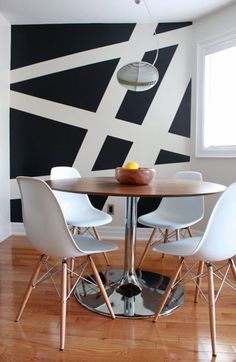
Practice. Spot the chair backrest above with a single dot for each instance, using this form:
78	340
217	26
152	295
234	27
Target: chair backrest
219	239
186	208
73	205
64	172
43	219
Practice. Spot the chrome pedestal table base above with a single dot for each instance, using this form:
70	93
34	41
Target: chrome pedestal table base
131	293
127	305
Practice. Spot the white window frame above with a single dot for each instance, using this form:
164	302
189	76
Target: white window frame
205	48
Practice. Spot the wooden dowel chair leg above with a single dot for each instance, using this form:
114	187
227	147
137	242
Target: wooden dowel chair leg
30	286
98	238
63	304
211	304
168	289
189	232
75	230
70	273
101	286
149	243
198	281
177	234
72	267
177	237
165	238
233	268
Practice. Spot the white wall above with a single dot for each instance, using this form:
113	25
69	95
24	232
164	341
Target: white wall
4	128
148	138
217	170
221	170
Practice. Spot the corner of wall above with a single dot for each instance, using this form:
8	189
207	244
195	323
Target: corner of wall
5	37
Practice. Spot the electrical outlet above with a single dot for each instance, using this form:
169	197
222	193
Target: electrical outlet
110	209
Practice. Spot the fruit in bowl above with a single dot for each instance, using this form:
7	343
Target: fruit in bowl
132	174
131	165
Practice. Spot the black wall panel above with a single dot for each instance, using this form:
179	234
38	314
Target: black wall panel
112	154
181	124
164	27
36	43
37	144
81	87
165	157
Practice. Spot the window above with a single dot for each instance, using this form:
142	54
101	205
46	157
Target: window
216	98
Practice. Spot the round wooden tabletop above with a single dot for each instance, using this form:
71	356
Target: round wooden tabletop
158	188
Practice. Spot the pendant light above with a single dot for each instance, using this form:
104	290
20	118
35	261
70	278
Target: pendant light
138	76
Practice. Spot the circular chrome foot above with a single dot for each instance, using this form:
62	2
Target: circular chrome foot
141	305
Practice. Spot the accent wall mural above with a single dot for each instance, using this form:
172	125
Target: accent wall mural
67	107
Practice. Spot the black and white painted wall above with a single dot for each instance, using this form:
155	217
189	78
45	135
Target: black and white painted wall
67	107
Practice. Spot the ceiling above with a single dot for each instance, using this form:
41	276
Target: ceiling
106	11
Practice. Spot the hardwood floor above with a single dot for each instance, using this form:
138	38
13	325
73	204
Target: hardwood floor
181	336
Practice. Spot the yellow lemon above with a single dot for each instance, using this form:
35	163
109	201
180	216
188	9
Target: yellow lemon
131	165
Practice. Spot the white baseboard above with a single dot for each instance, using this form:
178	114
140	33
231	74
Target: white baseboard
5	231
118	233
17	228
106	232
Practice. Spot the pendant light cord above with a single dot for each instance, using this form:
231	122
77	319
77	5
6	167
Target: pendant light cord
151	19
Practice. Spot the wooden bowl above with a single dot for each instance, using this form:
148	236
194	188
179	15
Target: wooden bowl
140	176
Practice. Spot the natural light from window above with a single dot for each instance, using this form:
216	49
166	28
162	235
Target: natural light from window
220	99
216	97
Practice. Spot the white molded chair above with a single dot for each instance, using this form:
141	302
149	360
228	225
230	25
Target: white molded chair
217	244
77	208
48	231
174	213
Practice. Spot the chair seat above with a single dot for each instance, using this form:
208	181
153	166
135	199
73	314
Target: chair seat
77	208
174	214
216	244
92	246
92	218
167	221
47	229
182	247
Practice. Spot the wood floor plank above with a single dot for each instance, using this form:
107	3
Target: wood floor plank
182	336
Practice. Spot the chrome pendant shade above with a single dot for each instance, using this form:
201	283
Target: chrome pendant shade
138	76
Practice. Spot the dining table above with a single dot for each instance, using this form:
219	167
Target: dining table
133	293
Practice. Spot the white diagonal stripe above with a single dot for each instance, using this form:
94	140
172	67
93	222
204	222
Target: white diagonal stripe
151	135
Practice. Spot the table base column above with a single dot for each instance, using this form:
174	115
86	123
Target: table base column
142	305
